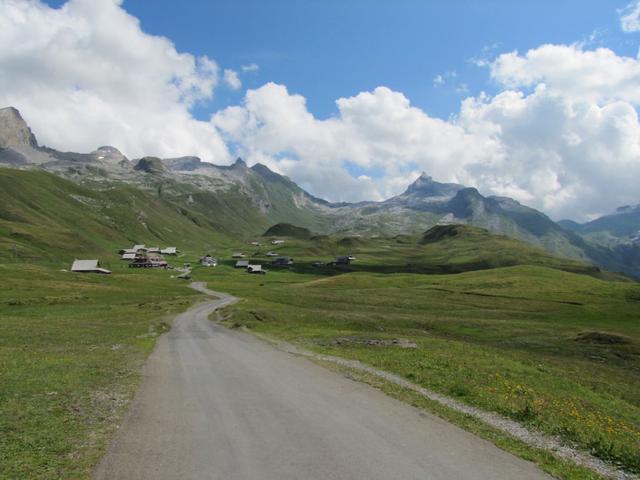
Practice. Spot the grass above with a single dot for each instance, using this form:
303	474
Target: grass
518	340
70	353
547	341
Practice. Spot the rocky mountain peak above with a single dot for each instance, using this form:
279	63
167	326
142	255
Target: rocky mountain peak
14	131
425	186
239	163
150	165
108	154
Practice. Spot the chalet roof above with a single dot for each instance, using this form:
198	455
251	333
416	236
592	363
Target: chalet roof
88	266
84	265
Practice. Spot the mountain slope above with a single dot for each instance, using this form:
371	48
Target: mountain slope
44	217
244	201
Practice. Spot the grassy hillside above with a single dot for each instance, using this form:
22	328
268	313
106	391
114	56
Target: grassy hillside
556	350
44	217
287	230
70	353
442	249
541	339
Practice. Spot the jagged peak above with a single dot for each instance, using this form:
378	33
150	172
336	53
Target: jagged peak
239	163
14	131
426	186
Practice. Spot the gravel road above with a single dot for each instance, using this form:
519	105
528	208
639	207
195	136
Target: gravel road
221	404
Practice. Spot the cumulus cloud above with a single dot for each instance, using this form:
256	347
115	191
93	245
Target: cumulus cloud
380	132
232	79
630	17
86	74
561	135
558	137
593	75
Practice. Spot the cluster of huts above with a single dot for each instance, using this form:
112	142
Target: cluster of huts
141	256
257	269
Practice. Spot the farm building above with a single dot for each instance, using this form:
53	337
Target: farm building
128	256
138	248
208	261
242	264
342	260
277	242
283	261
153	249
257	269
88	266
151	260
169	251
124	251
255	244
271	254
238	255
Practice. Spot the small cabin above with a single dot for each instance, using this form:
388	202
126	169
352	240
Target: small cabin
342	260
242	264
169	251
128	256
238	255
283	261
256	269
150	260
277	242
208	261
88	266
139	248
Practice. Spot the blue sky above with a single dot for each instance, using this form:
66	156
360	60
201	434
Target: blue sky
352	99
327	49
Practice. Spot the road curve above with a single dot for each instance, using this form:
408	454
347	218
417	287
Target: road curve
220	404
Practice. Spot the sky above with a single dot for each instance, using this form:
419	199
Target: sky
535	100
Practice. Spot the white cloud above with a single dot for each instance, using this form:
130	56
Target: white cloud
563	134
569	143
443	78
250	68
86	74
379	131
232	79
594	75
630	17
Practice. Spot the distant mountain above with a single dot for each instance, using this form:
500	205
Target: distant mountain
622	226
245	201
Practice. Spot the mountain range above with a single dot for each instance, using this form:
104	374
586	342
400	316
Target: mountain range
239	200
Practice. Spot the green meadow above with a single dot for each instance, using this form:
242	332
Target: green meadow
556	350
71	348
490	321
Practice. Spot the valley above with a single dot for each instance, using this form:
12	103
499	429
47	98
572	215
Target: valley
477	298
